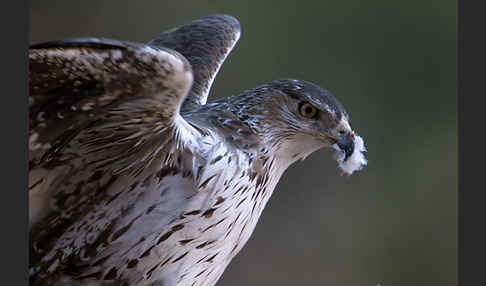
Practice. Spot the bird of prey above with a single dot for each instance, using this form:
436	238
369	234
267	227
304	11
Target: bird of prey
135	180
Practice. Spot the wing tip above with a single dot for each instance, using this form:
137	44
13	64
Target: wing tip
228	20
208	26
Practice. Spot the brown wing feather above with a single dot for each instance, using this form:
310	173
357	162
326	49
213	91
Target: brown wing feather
72	82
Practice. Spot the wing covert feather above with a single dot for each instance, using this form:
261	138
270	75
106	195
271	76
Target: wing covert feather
73	82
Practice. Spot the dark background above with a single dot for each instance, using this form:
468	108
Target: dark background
393	65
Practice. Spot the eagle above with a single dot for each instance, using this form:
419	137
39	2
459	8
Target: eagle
134	179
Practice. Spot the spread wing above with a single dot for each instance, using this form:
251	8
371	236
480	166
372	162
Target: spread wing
102	112
105	131
72	83
205	42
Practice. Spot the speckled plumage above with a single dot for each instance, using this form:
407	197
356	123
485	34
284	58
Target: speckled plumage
134	179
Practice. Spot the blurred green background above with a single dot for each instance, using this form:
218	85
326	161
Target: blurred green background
393	65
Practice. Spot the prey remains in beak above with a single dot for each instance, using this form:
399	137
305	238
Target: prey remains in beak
350	152
346	144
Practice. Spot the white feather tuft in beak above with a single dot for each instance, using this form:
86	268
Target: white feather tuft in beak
356	161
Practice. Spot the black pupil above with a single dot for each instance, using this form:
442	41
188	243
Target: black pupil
308	110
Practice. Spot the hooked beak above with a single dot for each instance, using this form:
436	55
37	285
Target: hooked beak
345	142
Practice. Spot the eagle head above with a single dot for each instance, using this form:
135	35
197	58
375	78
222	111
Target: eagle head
297	117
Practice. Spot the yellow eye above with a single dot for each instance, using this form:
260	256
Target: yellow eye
307	110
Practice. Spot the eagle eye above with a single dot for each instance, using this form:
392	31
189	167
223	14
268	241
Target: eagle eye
307	110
